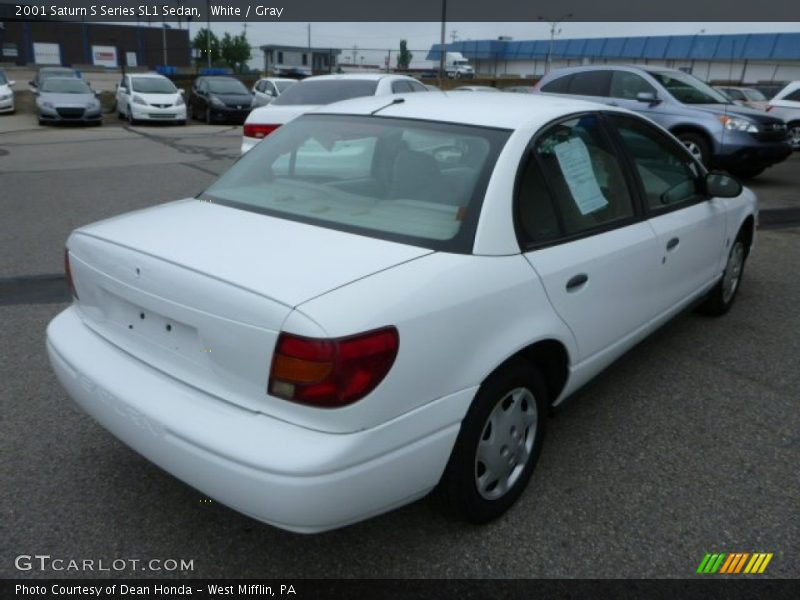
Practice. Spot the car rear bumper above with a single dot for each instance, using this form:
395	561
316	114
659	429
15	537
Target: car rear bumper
289	476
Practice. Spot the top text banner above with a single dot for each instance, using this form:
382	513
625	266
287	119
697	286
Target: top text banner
406	10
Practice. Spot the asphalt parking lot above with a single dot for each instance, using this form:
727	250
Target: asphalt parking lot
689	444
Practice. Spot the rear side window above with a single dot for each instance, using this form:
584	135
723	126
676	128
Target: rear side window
326	92
627	86
584	177
735	94
536	215
401	87
557	86
590	83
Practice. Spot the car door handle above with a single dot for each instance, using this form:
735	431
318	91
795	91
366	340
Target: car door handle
672	244
612	103
577	282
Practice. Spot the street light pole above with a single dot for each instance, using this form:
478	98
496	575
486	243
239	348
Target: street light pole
553	26
208	33
441	42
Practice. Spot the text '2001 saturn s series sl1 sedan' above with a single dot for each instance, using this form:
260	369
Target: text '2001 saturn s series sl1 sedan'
386	297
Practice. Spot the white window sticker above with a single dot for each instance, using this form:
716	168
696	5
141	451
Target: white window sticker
576	165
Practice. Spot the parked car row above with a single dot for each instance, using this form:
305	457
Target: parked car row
717	131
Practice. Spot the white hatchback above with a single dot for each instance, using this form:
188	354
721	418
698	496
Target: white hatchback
389	296
786	105
150	97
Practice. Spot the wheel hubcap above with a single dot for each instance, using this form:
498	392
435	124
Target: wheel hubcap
733	272
694	150
506	443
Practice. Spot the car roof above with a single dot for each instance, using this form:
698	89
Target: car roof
356	76
508	111
143	75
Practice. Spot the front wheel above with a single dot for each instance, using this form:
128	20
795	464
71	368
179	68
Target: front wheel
697	146
721	297
498	445
209	120
794	134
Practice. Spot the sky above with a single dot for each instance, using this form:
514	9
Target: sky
421	36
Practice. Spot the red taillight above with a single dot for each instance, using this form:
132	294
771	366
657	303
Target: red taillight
331	372
257	130
68	275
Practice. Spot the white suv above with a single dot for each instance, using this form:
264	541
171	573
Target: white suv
786	105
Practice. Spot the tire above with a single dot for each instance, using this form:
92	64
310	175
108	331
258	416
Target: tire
747	173
182	123
698	146
503	426
794	134
208	119
721	297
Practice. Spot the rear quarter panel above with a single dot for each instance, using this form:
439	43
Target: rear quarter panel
458	317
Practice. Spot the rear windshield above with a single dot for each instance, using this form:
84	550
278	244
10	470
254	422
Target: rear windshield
688	88
409	181
65	86
227	86
153	85
326	92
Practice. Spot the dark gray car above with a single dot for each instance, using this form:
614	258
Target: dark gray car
62	99
714	129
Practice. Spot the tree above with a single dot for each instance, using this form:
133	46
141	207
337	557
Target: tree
404	57
236	51
201	44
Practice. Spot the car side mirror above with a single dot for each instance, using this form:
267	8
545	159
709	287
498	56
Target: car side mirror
12	83
648	98
181	91
722	185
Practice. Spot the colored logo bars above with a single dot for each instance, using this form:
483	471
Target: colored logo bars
734	563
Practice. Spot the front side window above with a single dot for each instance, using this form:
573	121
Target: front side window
792	96
734	94
410	181
754	95
583	175
689	89
668	174
628	86
400	87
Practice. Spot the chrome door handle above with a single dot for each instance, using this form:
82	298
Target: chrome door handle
577	282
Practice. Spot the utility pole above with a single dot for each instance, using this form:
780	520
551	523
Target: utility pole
208	33
554	31
441	42
164	41
355	54
454	35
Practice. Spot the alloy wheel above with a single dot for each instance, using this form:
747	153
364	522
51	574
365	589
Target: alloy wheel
733	272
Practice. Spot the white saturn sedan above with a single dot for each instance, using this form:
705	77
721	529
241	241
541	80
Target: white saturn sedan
150	97
313	92
388	295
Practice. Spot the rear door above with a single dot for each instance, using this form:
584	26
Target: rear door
584	234
689	225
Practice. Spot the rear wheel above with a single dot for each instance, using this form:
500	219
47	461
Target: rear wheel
209	120
721	297
498	445
697	146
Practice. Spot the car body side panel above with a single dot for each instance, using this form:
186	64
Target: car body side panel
459	317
